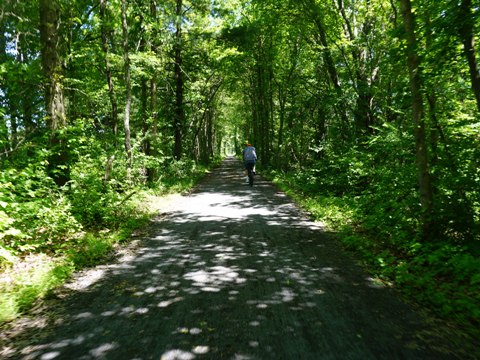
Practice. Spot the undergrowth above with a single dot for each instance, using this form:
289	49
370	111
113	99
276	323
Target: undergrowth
443	276
47	233
26	279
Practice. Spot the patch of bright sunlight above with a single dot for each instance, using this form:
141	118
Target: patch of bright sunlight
177	355
185	355
50	355
103	349
86	279
211	280
220	206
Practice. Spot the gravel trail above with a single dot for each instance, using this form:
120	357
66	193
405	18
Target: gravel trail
229	272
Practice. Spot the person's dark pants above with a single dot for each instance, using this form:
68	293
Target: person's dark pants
249	165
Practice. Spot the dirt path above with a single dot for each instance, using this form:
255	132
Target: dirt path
231	272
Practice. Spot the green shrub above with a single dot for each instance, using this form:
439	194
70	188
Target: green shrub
35	213
369	196
90	250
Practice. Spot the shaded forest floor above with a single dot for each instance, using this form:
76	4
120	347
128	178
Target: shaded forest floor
230	272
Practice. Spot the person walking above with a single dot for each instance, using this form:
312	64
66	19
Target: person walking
249	154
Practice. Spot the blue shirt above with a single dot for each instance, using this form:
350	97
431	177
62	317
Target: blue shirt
249	154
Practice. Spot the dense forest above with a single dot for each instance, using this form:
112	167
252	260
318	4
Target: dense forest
367	111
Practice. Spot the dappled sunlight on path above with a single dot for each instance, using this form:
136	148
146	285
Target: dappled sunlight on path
231	272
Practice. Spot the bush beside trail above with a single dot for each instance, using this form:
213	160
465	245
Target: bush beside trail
47	233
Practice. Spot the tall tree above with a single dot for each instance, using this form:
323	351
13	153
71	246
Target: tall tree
179	118
466	31
128	84
357	31
54	97
413	62
316	15
152	132
51	63
105	36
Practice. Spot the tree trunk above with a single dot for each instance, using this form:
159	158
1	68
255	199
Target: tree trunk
413	62
108	72
466	34
144	111
210	135
431	97
145	116
179	112
152	171
282	99
312	7
271	107
128	85
363	113
54	100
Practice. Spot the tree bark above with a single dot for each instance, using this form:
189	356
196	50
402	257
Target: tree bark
466	31
282	99
413	62
150	142
179	111
54	100
144	94
128	85
363	113
108	72
312	7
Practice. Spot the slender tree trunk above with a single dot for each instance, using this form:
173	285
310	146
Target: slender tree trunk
4	133
312	7
152	171
145	117
281	100
252	131
13	123
128	85
431	97
413	62
144	112
262	88
466	34
179	111
432	107
153	106
54	100
363	114
271	107
210	135
261	111
27	106
108	72
206	116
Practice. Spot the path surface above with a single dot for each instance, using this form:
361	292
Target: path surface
231	272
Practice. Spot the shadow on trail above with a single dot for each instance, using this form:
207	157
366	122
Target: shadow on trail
233	273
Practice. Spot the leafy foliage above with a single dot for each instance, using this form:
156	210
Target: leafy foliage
37	217
369	198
